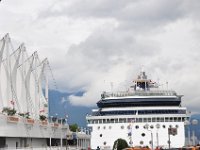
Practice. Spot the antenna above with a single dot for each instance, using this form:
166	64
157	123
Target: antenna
158	81
111	86
167	84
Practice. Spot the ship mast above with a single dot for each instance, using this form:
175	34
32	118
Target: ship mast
141	83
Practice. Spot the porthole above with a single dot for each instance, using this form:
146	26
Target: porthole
122	127
145	127
100	135
177	126
104	143
151	126
129	127
170	126
143	134
150	142
137	127
163	126
98	127
104	127
110	127
141	142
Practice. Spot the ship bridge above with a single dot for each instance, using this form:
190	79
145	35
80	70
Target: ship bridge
139	98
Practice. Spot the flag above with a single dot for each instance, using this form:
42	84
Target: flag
41	110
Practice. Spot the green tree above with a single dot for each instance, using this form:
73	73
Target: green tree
120	144
73	127
42	117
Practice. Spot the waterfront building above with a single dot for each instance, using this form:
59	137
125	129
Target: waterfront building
24	84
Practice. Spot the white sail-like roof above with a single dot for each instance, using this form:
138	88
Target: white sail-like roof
22	79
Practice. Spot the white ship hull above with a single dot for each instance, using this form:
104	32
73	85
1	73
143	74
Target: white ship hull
104	134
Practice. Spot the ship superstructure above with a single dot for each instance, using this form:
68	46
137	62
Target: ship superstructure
143	116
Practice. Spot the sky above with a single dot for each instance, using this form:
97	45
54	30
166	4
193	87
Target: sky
101	45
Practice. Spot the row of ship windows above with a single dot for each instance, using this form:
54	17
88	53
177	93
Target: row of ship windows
137	127
129	120
139	112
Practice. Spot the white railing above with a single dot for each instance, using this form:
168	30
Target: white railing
139	93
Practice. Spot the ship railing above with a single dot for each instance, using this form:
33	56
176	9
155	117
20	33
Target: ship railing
139	93
142	119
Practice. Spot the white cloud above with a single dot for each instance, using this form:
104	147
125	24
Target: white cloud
91	44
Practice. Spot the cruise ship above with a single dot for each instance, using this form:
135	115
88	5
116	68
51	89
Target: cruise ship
144	115
24	119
